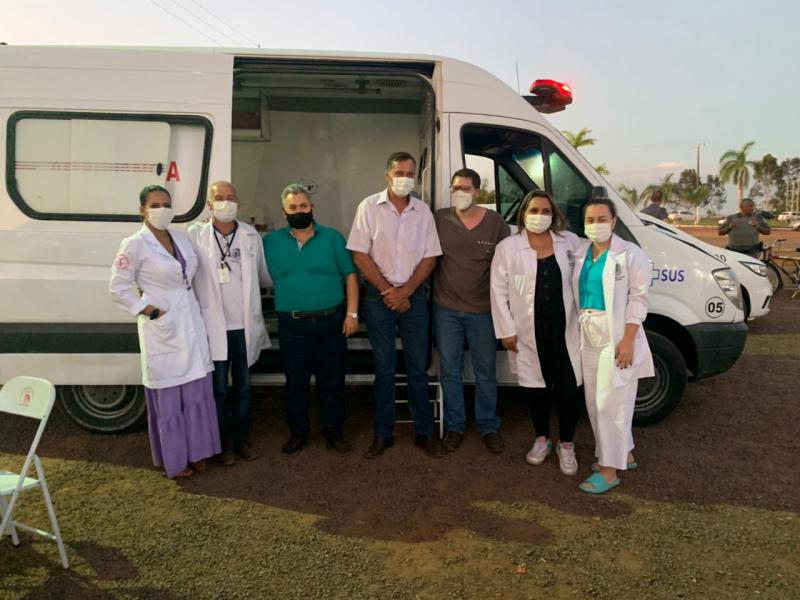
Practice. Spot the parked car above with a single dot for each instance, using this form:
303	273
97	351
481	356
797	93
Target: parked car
795	225
765	214
788	216
681	215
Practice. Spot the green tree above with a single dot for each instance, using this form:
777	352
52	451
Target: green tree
580	139
666	186
630	195
766	175
718	197
602	169
695	197
485	196
735	168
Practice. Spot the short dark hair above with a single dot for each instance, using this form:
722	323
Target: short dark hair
747	200
559	223
149	189
397	157
469	173
656	196
601	202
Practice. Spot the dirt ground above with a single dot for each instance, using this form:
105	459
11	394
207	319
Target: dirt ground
713	511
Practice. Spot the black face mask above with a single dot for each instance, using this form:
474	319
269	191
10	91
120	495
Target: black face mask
300	220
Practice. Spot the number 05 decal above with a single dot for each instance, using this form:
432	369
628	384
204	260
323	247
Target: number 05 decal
715	307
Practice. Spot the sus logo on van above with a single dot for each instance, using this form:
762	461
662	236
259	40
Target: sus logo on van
172	172
25	397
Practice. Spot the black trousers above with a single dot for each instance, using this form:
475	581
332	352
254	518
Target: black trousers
314	345
559	378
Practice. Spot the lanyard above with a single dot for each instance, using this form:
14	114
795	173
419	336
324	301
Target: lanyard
180	262
224	254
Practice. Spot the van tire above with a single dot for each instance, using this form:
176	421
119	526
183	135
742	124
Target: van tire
105	408
658	396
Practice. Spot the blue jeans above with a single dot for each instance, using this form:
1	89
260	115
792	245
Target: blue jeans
233	405
382	325
314	345
452	329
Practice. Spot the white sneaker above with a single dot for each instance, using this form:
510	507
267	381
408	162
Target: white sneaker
566	458
542	448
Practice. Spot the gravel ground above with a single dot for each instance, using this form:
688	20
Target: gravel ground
713	512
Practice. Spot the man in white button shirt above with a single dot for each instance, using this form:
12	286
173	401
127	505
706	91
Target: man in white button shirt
395	245
228	285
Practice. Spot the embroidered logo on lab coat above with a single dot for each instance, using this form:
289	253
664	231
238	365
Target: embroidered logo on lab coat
570	258
617	272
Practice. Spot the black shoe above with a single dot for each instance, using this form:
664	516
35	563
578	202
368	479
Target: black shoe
339	444
452	440
430	444
294	445
494	442
227	458
379	446
245	451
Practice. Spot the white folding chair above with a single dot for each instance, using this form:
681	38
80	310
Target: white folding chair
33	398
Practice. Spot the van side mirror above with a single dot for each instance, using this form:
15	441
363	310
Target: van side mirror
598	192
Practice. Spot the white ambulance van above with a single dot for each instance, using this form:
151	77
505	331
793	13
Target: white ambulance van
86	128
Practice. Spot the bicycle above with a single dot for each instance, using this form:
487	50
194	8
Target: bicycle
779	265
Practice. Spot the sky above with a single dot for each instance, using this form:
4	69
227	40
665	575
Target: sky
650	79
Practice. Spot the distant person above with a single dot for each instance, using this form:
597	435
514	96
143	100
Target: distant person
743	229
654	209
151	279
228	285
316	297
395	245
469	235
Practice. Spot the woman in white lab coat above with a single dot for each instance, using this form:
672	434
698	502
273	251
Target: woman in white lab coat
535	317
151	279
611	282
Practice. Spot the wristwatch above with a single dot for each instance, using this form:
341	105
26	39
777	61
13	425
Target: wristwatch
154	314
354	315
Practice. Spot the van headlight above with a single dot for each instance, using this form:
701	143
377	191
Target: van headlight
728	283
758	268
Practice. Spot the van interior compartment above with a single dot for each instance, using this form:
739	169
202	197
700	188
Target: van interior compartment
329	131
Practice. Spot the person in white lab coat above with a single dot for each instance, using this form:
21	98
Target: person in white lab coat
611	282
228	285
151	279
536	320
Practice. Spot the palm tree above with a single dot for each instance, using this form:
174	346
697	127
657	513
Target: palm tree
666	186
630	195
602	169
579	139
735	168
695	197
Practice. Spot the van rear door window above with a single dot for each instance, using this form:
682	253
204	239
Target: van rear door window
79	166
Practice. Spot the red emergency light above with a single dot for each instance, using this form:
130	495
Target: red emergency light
549	95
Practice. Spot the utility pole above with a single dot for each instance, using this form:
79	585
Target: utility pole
516	68
697	147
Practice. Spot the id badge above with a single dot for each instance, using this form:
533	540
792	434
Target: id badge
224	275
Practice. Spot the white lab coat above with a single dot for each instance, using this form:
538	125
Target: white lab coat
174	347
626	281
513	285
207	287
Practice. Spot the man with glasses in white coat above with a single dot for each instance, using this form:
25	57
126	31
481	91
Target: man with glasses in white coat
228	284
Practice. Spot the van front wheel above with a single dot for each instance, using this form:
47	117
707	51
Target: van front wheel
105	408
658	396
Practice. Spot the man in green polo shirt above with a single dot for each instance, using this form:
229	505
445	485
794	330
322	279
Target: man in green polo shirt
312	270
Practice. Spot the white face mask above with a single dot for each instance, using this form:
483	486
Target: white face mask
160	218
598	232
402	186
538	223
224	210
460	199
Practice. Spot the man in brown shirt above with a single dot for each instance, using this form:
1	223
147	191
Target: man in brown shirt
468	234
